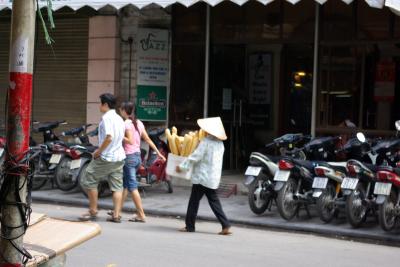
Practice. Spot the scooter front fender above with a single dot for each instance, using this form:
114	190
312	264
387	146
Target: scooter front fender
278	186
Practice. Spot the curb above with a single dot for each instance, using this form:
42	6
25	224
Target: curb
392	240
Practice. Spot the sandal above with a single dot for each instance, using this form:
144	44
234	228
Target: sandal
89	216
114	219
110	212
185	230
225	231
136	219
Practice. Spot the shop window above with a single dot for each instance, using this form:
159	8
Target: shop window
299	20
373	23
261	22
253	22
396	25
187	92
189	23
339	87
337	21
227	22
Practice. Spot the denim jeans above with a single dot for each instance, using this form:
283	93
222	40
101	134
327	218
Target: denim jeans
132	163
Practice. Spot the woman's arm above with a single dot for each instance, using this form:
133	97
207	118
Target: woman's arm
129	137
147	139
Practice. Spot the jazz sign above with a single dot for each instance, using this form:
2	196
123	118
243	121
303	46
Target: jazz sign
152	74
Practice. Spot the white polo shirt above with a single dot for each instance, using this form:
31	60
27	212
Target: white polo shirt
112	124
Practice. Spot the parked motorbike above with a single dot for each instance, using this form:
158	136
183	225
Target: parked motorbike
43	165
358	187
262	168
294	179
152	170
327	183
387	191
73	157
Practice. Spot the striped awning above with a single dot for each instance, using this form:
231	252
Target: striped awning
97	4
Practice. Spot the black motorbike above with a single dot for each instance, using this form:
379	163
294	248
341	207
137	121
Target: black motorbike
263	166
358	186
294	179
43	164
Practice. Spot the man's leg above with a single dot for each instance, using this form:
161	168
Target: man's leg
93	197
193	207
216	207
117	200
116	185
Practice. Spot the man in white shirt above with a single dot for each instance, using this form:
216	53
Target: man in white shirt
108	160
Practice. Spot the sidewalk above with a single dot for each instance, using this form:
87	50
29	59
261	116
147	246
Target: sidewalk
158	202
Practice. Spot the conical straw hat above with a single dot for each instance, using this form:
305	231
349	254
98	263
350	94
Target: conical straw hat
213	126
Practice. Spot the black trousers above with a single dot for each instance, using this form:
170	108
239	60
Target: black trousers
197	193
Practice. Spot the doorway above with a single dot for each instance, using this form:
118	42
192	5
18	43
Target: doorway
240	92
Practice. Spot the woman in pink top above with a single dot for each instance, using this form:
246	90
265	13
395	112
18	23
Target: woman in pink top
134	132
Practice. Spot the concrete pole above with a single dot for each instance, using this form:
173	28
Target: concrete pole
207	63
18	123
315	73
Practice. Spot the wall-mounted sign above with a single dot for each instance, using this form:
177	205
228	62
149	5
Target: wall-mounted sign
385	81
151	103
260	78
152	74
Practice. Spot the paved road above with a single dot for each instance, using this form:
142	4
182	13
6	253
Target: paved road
158	202
157	243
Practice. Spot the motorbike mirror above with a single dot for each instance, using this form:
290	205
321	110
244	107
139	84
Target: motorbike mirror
361	137
397	124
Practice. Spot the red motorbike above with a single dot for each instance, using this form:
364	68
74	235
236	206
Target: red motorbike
387	191
153	169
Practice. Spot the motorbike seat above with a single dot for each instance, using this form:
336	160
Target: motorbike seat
338	166
46	126
310	165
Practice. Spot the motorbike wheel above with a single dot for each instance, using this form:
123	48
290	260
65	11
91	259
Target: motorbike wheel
36	182
63	177
387	218
287	205
356	212
325	208
258	207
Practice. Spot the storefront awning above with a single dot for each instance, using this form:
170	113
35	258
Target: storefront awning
97	4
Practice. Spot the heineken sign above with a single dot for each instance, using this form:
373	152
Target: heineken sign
152	74
151	103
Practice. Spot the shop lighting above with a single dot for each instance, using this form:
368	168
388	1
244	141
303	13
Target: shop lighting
301	73
298	85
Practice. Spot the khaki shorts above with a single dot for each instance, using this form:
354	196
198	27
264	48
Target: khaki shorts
101	170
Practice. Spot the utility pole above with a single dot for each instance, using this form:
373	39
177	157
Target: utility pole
18	128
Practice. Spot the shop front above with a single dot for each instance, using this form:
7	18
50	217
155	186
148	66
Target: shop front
266	67
261	68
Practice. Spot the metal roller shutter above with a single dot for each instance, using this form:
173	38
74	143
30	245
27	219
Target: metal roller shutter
60	78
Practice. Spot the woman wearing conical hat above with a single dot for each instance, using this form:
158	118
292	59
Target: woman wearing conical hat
206	161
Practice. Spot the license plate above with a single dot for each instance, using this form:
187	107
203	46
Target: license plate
382	189
55	159
252	171
281	176
320	182
349	183
75	164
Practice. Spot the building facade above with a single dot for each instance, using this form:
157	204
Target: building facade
253	63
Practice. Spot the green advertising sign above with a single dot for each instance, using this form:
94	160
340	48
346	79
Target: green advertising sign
151	103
